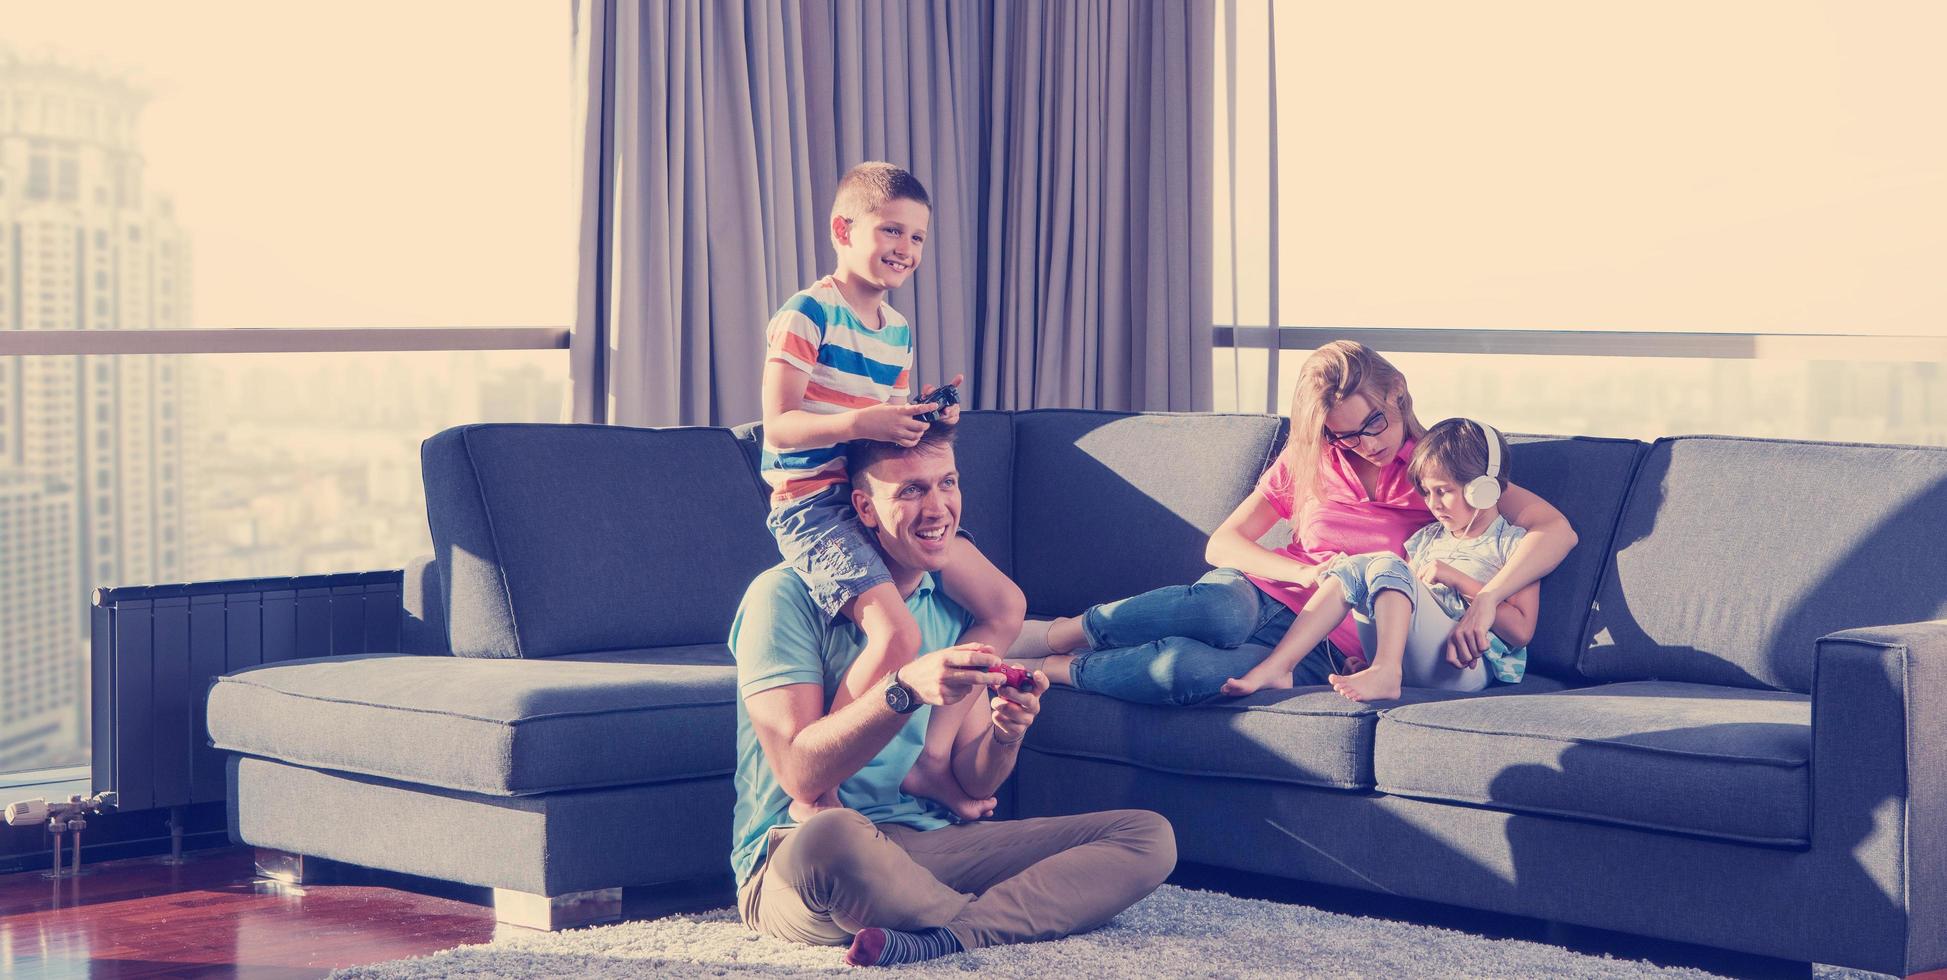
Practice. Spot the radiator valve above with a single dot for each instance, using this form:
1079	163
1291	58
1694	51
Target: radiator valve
62	818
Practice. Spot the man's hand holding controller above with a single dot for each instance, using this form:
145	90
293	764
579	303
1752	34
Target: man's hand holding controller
1016	701
945	676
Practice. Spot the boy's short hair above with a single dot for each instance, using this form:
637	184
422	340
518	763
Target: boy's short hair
1458	449
870	186
863	454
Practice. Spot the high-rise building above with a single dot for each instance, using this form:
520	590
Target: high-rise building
41	666
85	246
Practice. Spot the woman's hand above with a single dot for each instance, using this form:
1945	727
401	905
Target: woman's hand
1306	576
1469	639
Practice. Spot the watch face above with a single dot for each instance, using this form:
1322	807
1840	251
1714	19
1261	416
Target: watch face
898	698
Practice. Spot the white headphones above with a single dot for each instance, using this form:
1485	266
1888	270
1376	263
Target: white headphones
1484	490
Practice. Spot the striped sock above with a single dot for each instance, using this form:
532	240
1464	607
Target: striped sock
874	946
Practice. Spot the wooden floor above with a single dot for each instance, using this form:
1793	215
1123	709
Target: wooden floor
211	917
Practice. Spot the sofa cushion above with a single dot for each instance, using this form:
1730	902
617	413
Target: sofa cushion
1735	555
1110	505
557	539
1585	479
499	727
1720	762
1309	736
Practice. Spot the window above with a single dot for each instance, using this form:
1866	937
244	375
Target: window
1489	174
212	466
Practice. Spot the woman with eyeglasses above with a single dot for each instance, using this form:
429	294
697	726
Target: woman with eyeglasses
1342	483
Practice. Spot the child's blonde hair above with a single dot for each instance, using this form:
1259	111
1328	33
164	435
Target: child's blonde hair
1332	374
872	185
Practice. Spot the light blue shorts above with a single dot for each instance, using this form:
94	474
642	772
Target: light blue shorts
822	540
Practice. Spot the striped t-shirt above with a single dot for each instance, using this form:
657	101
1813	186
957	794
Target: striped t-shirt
851	366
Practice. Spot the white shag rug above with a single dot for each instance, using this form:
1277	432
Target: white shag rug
1174	932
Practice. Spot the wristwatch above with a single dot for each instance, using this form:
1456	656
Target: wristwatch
899	697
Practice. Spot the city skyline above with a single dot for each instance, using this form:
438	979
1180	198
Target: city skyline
137	469
92	443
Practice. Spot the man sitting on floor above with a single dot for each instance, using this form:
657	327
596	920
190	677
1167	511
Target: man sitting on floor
887	872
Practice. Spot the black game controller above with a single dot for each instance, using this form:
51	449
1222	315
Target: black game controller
945	396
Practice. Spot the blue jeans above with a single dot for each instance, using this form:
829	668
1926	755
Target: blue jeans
1178	644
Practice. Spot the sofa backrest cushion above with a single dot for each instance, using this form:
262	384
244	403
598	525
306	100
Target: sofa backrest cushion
1108	504
1735	555
1586	479
560	539
984	450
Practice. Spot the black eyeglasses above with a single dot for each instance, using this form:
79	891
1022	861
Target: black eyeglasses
1374	425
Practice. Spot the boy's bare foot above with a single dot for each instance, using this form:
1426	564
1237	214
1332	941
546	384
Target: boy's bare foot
1257	679
1370	684
935	781
802	811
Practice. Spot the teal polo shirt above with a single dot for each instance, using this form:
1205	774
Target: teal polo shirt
779	637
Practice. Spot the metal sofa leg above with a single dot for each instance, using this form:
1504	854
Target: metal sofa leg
291	869
551	912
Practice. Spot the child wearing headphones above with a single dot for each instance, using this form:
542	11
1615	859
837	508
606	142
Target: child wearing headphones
1406	609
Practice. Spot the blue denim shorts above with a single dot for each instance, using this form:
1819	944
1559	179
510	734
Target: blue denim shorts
822	540
1365	576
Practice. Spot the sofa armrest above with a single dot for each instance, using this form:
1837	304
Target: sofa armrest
422	627
1879	769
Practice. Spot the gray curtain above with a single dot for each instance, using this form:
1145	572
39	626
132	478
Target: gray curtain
1066	147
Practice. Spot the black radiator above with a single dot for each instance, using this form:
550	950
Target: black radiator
156	649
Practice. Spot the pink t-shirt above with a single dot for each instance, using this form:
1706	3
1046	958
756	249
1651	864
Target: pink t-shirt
1345	522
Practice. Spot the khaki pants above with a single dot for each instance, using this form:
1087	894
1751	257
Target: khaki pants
988	883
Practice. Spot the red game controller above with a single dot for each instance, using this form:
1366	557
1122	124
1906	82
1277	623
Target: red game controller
1016	676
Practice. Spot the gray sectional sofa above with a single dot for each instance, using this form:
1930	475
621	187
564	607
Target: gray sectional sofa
1734	731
